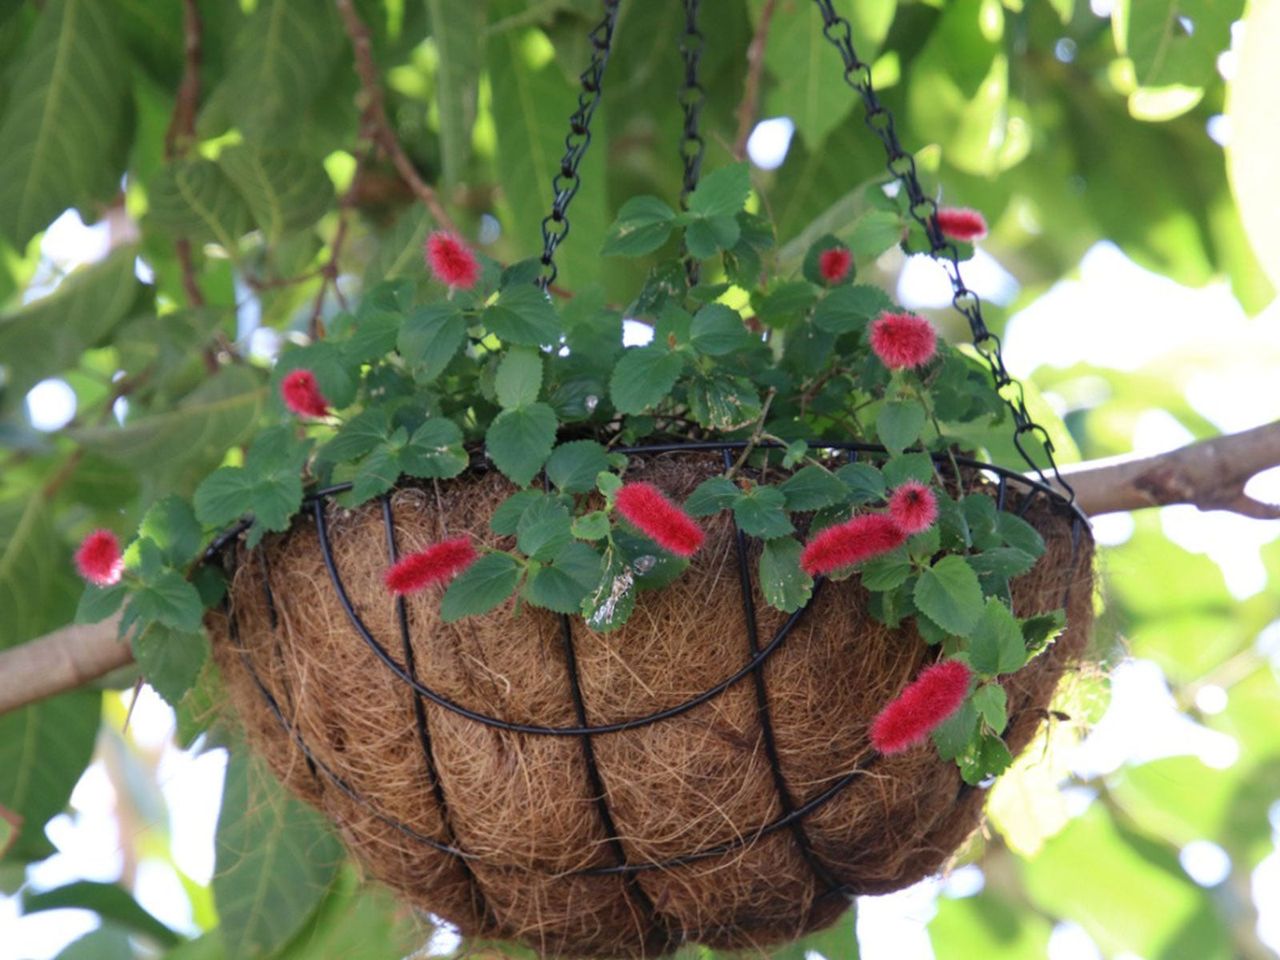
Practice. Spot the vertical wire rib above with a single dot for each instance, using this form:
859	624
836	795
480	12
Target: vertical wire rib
785	800
594	780
420	721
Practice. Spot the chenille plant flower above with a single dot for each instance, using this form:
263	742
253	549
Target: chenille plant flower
835	263
98	558
903	340
301	394
845	544
961	223
913	507
922	707
438	563
649	511
452	261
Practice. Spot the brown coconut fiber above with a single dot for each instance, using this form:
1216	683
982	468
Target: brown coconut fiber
523	809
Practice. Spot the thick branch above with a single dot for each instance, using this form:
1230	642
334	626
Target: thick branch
1210	474
60	661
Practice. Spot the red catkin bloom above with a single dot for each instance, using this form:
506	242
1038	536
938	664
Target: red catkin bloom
99	560
926	703
913	507
658	518
861	538
961	223
452	261
903	340
439	562
302	394
834	264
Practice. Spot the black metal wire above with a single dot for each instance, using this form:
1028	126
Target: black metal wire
924	210
566	182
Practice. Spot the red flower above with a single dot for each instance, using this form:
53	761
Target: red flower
439	562
452	261
834	264
960	223
98	558
861	538
913	507
660	519
302	394
903	340
926	703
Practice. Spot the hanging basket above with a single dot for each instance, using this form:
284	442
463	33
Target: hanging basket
703	774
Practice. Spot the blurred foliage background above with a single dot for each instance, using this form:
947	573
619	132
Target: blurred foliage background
228	213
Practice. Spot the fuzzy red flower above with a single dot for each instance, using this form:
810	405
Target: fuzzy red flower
660	519
903	340
302	394
913	507
98	558
861	538
961	223
834	264
439	562
452	261
926	703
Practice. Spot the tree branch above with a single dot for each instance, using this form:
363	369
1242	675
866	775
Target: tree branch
750	105
1210	474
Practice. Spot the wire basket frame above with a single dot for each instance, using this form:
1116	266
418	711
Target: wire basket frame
757	654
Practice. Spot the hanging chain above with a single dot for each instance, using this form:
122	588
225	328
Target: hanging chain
692	99
924	210
565	184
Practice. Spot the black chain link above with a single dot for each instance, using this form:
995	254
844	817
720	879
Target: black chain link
924	210
692	99
566	182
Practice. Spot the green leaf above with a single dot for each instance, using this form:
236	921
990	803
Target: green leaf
864	480
707	237
1003	562
523	316
721	193
430	337
481	587
718	331
909	466
110	901
996	644
1166	51
65	125
457	29
591	526
269	486
562	587
643	225
1039	631
98	603
169	599
573	466
519	441
285	190
724	403
887	572
990	702
812	488
785	303
171	660
988	757
643	377
379	471
172	526
608	606
544	528
899	423
762	513
798	57
875	232
357	436
434	451
849	309
275	859
1019	534
506	518
784	584
196	199
519	378
948	594
711	496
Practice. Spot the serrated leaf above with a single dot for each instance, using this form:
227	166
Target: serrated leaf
196	199
875	232
573	466
357	436
990	702
812	488
167	599
543	529
718	330
275	857
429	339
887	572
785	303
948	593
849	309
170	659
65	126
996	644
98	603
481	587
564	584
523	316
724	403
519	378
721	193
899	423
591	526
434	451
506	518
762	513
519	441
643	377
711	496
865	482
909	466
284	190
705	237
172	526
784	584
1019	534
797	57
642	226
953	736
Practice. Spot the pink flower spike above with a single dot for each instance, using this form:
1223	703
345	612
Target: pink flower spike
302	394
98	558
452	261
961	223
439	562
834	264
922	707
903	340
861	538
913	507
645	506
